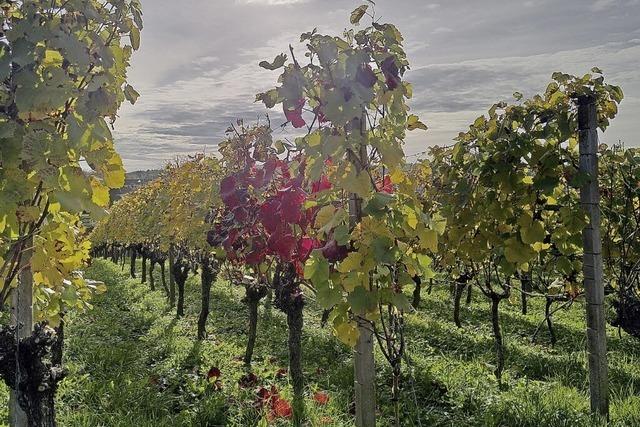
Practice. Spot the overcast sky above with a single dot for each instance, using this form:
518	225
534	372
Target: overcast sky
197	69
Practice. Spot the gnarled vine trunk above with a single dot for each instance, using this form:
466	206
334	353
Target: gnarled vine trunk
627	318
457	297
416	292
289	299
180	272
152	280
458	290
132	268
547	316
525	286
207	276
39	374
253	295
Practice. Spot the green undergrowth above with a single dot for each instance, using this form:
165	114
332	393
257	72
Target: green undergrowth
132	363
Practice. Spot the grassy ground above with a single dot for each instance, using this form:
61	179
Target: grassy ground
131	363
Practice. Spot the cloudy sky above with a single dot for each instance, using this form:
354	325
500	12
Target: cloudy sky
197	70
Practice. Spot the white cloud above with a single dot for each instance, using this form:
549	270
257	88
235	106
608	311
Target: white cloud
197	70
272	2
600	5
442	30
448	97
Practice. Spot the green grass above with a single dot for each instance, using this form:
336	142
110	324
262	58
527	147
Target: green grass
132	363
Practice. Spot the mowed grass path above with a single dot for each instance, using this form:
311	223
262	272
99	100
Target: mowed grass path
132	363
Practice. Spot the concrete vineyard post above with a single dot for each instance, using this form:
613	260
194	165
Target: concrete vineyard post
592	258
22	319
364	362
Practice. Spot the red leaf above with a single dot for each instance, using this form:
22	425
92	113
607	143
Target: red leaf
391	72
385	186
282	244
240	214
228	191
231	238
320	185
214	372
294	115
282	408
227	185
255	257
334	252
269	169
292	199
299	269
269	215
365	76
248	380
305	246
257	180
321	397
264	394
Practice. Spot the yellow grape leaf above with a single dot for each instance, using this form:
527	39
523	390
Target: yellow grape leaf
428	239
314	139
539	246
413	122
392	154
347	333
527	180
350	281
324	216
533	233
114	177
411	217
397	176
52	58
517	253
350	263
99	193
439	223
358	183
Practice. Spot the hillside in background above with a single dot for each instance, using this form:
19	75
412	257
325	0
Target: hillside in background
134	180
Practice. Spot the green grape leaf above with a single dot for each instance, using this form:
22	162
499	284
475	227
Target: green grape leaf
362	301
277	62
358	13
131	94
134	37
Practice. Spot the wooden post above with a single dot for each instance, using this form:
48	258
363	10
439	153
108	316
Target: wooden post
22	318
364	362
592	258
